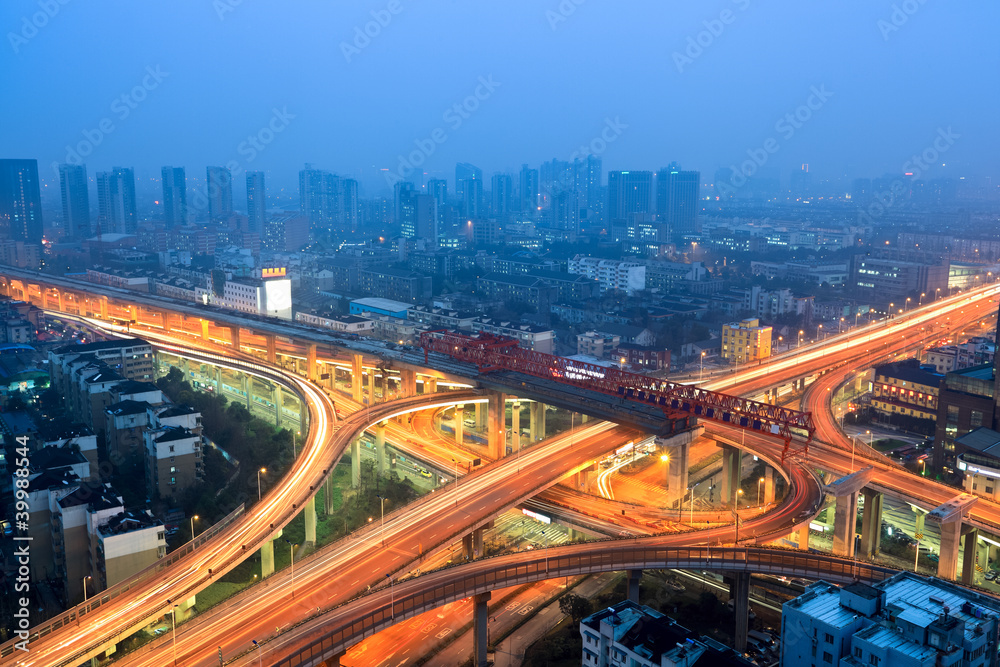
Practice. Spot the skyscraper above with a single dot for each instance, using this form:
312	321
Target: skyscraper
75	200
419	217
350	208
677	199
400	191
256	201
20	201
438	188
472	202
628	193
528	189
220	193
174	195
116	201
502	195
330	202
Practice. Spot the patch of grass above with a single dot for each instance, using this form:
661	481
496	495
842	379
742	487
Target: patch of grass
886	444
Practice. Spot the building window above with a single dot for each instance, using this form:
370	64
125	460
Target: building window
827	657
976	418
828	638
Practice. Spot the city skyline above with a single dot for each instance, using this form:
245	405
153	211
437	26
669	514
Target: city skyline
860	113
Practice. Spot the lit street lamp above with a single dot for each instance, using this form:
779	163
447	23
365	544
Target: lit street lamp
173	629
455	461
291	553
85	587
701	377
262	470
666	470
193	518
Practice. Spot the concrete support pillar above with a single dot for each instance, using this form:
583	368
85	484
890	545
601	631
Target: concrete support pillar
537	421
61	302
279	401
732	467
272	349
430	385
871	524
768	485
496	434
380	447
459	421
515	426
103	304
802	534
918	520
480	629
357	377
477	542
371	386
245	388
312	370
677	473
583	418
408	380
218	380
467	548
267	559
356	463
480	417
204	330
969	556
844	524
328	495
310	516
948	559
634	576
234	338
739	593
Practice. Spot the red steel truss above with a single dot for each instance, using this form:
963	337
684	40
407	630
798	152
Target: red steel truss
492	353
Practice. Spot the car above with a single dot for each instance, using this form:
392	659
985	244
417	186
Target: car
424	472
991	575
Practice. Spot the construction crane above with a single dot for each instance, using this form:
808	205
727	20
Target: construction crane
498	353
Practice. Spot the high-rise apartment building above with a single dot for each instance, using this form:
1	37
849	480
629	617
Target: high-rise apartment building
677	199
502	195
629	193
327	200
116	201
220	193
20	201
419	217
469	188
256	201
75	200
438	188
350	213
528	189
174	196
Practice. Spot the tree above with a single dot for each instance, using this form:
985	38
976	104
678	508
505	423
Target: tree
575	606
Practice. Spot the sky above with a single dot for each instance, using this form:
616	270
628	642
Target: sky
852	88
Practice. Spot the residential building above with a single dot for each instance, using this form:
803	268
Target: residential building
65	435
173	460
906	388
957	357
613	275
256	202
286	232
633	635
570	287
643	358
74	519
904	620
75	200
20	202
769	304
116	201
745	341
528	336
220	193
125	544
518	289
966	401
528	191
597	344
419	217
380	306
677	195
886	278
395	284
502	195
124	425
629	193
174	196
978	459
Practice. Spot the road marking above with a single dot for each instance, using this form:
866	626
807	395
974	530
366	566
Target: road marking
444	633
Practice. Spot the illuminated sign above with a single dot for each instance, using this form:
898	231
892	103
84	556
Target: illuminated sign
536	516
273	273
581	373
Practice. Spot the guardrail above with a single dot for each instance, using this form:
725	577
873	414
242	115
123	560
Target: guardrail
351	622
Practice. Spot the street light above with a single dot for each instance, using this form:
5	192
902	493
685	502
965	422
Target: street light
173	629
666	470
85	587
701	377
382	501
260	650
193	518
799	344
392	599
262	470
455	461
921	299
291	553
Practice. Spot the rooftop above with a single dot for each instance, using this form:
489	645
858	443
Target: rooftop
382	304
94	495
128	521
101	345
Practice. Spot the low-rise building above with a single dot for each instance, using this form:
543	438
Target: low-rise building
632	635
978	459
745	341
643	358
349	324
906	388
904	620
127	543
173	460
596	343
380	306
